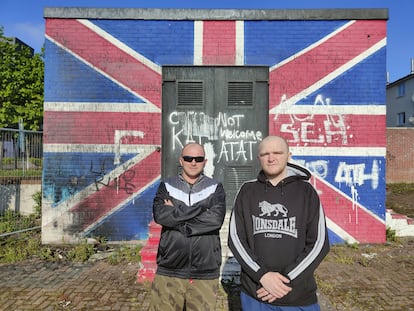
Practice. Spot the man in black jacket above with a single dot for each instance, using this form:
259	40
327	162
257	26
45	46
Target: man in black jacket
278	234
191	209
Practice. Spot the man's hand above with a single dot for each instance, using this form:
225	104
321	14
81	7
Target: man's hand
168	202
264	295
274	286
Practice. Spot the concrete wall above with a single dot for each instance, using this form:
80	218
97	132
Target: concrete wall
102	118
400	155
16	195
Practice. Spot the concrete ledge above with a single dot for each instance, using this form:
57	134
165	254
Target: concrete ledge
214	14
403	225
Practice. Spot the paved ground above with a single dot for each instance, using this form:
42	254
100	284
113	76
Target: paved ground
369	277
364	278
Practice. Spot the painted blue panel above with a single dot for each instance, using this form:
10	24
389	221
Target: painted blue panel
68	79
363	84
162	42
334	238
270	42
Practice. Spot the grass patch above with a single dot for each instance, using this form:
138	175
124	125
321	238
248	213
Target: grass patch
28	245
340	255
14	249
401	188
11	221
21	173
125	254
400	198
81	252
391	235
11	167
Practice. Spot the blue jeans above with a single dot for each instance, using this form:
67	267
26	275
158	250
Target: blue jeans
250	304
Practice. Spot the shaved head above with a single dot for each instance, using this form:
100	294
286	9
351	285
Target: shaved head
279	140
194	147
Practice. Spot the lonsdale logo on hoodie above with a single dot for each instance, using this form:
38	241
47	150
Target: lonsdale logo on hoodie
276	222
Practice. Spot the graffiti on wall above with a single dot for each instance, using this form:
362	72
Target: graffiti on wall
307	129
236	139
339	174
123	182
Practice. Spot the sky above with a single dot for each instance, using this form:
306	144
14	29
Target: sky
24	19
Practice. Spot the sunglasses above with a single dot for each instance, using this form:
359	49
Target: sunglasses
190	159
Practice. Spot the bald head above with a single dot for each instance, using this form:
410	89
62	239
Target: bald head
274	140
193	148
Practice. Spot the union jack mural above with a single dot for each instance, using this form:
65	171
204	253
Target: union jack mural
102	119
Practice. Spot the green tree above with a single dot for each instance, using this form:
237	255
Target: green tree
21	85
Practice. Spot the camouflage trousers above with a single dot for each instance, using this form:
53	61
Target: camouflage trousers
173	294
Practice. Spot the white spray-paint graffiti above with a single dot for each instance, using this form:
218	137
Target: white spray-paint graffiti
352	175
308	131
236	142
118	141
210	156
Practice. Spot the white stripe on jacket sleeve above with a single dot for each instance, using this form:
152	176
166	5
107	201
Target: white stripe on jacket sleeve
239	246
313	254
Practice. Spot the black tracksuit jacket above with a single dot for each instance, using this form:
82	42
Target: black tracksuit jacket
281	229
189	246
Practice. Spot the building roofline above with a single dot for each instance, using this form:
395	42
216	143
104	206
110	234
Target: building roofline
407	77
400	128
216	14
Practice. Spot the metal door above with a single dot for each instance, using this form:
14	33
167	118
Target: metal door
225	109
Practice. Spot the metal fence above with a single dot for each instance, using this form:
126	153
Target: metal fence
22	151
21	155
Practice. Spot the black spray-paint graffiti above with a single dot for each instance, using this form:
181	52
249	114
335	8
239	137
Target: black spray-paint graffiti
122	182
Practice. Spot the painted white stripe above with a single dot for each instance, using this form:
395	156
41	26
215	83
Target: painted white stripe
339	151
119	206
143	107
198	43
100	71
330	109
98	148
120	45
239	42
100	107
312	46
298	151
340	232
